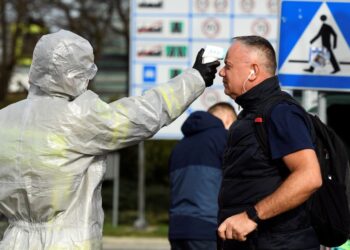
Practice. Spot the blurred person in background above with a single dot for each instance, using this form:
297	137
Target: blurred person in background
54	143
195	169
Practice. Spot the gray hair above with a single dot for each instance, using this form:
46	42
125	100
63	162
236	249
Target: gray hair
263	46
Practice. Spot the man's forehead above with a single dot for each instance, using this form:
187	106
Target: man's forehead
238	47
239	52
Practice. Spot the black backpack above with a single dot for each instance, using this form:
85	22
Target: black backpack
328	206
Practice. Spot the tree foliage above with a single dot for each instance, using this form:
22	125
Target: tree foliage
15	19
92	19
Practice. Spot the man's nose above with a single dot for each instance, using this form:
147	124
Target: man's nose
221	72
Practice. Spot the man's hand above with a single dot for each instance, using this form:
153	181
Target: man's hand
207	70
236	227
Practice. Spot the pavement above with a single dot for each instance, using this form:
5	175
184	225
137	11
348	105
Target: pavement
131	243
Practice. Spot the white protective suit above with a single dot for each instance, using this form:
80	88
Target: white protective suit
54	143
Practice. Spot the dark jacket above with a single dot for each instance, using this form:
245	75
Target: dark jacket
195	178
249	175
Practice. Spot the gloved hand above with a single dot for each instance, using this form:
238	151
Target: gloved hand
207	70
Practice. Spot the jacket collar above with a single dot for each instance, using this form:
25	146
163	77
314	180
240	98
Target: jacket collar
254	97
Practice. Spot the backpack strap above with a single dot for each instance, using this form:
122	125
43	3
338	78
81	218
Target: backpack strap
263	115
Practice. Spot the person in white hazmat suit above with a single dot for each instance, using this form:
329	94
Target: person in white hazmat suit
54	143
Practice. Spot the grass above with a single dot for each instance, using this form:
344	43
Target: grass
129	230
157	225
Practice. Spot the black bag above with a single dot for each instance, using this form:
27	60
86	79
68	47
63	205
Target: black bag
328	206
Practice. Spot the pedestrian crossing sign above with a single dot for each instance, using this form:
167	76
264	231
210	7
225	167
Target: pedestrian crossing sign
314	40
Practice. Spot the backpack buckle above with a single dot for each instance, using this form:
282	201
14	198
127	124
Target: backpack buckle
259	119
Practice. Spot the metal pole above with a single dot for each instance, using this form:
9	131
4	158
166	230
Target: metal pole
141	223
309	99
322	113
116	167
322	107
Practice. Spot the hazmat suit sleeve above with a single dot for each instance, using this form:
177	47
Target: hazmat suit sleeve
106	127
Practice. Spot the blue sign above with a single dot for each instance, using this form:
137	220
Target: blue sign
314	43
149	74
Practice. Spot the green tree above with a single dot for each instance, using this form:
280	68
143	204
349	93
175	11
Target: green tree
18	32
94	20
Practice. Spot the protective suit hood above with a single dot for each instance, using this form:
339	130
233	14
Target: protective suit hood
63	64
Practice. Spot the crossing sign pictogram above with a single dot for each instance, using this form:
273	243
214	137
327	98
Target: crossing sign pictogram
314	40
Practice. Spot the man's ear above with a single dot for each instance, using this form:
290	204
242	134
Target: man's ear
253	72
